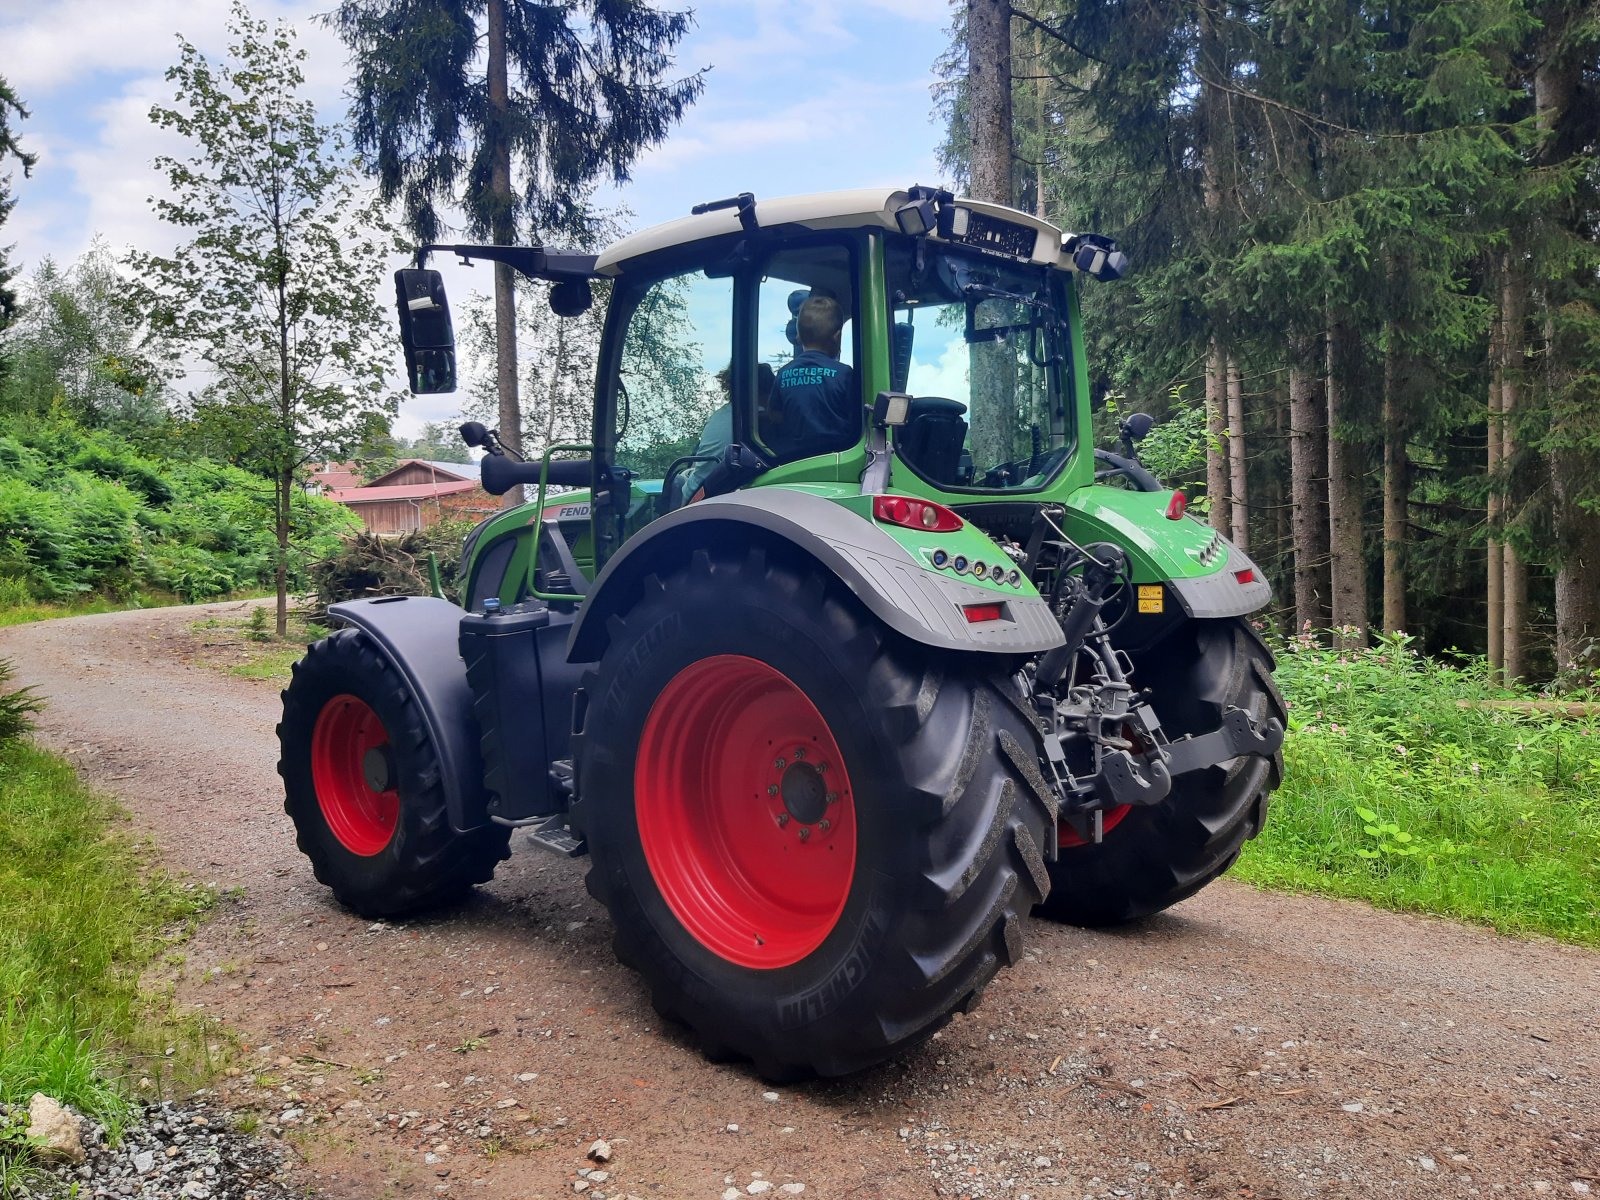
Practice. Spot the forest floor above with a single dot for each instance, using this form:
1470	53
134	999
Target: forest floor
1244	1045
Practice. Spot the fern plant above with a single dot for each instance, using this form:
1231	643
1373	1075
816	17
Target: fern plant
17	706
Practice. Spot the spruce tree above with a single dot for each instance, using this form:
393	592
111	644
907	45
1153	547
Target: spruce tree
10	107
569	93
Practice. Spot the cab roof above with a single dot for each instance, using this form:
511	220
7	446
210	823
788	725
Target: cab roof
853	209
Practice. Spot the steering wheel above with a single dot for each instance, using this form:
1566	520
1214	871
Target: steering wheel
1134	472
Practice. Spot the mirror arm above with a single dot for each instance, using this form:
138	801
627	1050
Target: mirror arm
552	266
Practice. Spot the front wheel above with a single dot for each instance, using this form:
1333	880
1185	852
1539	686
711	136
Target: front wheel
1150	858
361	779
815	839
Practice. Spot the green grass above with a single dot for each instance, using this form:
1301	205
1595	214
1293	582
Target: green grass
81	913
1396	794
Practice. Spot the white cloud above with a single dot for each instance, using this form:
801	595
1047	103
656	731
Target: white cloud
64	42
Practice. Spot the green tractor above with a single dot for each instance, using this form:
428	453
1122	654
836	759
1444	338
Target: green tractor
843	653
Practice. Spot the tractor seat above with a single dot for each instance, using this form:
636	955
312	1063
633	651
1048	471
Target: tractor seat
932	438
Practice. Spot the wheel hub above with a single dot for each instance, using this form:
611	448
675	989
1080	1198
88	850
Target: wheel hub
377	766
804	792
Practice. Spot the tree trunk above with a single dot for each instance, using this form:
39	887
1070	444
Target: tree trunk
1578	577
1395	492
1347	561
1221	515
989	99
284	493
1514	575
1238	485
503	230
1307	462
1494	561
1566	125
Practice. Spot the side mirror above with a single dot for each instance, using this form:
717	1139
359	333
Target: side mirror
1136	427
571	297
426	333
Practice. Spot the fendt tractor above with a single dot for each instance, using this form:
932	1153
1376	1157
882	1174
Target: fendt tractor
842	650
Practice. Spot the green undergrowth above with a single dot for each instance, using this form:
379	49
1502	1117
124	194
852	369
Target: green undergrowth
82	912
1401	791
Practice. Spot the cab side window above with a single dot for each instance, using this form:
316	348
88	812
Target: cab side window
673	383
808	395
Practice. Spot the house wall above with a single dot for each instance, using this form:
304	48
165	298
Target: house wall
391	518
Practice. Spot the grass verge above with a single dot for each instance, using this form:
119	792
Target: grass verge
17	609
245	644
1399	792
81	914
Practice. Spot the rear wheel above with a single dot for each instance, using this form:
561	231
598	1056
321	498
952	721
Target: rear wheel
1152	857
362	784
816	840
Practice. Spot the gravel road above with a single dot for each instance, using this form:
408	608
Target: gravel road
1244	1045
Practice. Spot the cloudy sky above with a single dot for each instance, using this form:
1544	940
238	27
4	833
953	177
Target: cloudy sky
800	97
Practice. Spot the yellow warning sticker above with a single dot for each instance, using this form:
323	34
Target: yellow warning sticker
1151	597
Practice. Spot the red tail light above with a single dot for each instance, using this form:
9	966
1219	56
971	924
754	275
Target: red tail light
1177	506
983	612
1248	575
915	514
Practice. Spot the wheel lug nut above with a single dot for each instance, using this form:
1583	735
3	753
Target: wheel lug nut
805	833
783	819
778	765
831	798
822	766
799	754
824	825
772	789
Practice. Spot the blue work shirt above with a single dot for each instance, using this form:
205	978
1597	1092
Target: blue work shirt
818	405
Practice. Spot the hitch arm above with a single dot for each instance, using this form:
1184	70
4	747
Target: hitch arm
1238	734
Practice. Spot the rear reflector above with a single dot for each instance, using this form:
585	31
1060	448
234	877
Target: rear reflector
983	612
1248	575
1177	506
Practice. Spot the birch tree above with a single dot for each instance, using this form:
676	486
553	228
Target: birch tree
277	287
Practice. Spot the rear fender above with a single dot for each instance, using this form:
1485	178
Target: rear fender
1209	575
418	635
923	605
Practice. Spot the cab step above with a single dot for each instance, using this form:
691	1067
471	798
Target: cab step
553	835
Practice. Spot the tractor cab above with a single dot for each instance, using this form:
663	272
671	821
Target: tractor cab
966	309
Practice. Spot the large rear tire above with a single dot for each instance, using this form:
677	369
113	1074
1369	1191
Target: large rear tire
1150	858
816	840
362	784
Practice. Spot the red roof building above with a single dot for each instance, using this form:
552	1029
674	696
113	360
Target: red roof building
416	495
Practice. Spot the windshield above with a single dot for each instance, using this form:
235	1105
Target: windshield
982	346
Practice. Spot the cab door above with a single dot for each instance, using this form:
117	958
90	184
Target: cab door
664	399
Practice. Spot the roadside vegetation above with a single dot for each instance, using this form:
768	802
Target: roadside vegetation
1412	785
88	522
82	913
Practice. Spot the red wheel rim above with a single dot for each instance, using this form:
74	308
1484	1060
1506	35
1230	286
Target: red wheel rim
1069	838
352	771
745	811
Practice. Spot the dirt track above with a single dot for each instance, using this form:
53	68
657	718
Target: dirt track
1243	1045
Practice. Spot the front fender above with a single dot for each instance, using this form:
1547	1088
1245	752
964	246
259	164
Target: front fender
915	601
419	637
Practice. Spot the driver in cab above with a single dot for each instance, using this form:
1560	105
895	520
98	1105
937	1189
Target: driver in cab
814	394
